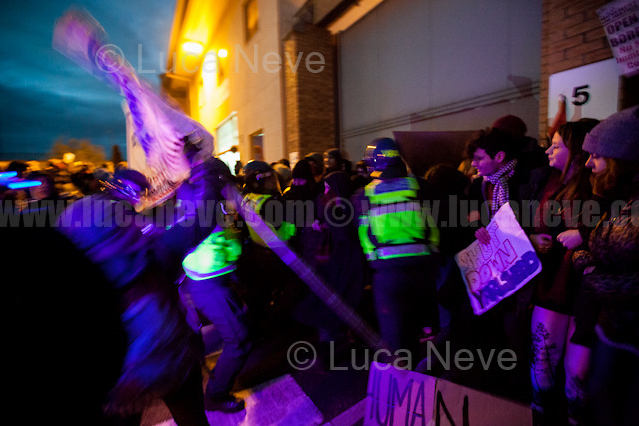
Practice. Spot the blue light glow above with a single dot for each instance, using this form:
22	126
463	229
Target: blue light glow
24	184
8	175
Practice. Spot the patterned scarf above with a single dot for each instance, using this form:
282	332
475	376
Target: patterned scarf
500	180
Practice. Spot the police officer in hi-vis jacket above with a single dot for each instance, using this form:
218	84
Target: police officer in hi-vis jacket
400	241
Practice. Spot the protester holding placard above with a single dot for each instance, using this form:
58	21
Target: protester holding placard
557	231
611	267
494	155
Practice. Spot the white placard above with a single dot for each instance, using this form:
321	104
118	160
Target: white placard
591	91
402	397
494	271
620	20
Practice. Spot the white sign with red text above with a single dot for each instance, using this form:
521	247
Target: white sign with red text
620	21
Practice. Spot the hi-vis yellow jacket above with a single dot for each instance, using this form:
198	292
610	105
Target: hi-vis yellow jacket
284	232
215	256
396	225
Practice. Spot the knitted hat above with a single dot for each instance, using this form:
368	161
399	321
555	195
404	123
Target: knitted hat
616	137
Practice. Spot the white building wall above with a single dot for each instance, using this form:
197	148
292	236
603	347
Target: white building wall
253	79
438	65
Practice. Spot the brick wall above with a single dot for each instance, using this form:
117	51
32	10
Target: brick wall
571	36
310	96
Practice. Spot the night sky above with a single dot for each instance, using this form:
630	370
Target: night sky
45	96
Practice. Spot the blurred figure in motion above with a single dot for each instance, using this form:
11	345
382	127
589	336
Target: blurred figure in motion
44	199
163	353
284	175
448	187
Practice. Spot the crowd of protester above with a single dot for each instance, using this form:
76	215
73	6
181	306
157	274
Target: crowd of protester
574	326
60	180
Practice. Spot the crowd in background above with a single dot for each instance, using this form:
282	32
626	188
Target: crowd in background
574	326
61	180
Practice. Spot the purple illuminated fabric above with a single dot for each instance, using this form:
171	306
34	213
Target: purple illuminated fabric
159	124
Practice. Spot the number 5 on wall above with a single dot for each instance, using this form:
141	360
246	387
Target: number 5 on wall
580	95
596	94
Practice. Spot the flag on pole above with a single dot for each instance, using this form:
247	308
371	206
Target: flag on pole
159	125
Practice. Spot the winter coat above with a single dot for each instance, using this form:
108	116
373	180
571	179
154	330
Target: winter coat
614	252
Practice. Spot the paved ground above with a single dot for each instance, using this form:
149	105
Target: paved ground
332	391
336	386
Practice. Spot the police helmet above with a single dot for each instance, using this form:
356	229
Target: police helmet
256	174
257	169
127	185
385	154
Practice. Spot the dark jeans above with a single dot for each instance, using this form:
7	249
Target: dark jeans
614	385
220	305
403	295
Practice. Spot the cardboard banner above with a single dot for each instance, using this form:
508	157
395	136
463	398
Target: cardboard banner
402	397
494	271
620	21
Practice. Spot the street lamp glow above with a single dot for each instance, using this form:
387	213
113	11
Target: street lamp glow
222	53
193	47
68	157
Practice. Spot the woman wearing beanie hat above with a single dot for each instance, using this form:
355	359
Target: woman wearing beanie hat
611	267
